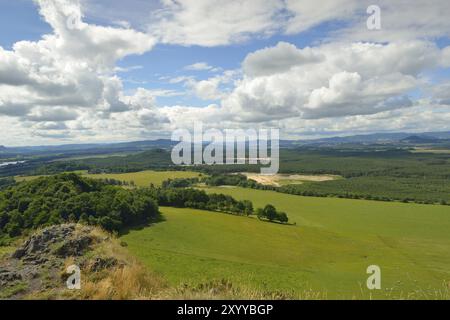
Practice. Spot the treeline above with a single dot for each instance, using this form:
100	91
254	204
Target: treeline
154	159
180	182
6	182
175	192
69	197
115	182
238	180
387	189
199	199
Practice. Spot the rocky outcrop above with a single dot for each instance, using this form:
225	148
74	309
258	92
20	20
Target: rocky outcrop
39	261
103	263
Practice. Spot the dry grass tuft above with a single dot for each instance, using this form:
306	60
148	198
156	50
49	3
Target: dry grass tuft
124	283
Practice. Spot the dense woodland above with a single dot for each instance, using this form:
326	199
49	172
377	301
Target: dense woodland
69	197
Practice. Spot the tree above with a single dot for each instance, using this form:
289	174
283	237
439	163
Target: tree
282	217
248	207
270	212
260	213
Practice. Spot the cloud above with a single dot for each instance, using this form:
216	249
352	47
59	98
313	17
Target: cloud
72	68
127	69
51	125
441	94
198	66
336	79
308	14
278	59
181	79
214	22
51	114
445	62
212	88
207	89
401	20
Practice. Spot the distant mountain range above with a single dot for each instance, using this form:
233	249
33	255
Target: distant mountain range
424	137
92	148
87	149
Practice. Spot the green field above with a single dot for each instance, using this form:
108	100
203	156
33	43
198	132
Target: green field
141	179
145	178
328	250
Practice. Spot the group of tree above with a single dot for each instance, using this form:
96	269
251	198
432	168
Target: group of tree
199	199
70	197
115	182
238	180
270	213
179	182
6	182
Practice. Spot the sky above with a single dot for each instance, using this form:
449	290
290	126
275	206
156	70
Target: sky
75	71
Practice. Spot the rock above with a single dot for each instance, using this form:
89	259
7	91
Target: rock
7	276
19	253
74	247
103	263
40	260
39	245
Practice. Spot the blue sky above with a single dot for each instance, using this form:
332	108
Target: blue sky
140	69
162	61
20	20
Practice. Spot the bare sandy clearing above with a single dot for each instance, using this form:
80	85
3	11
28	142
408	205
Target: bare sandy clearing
280	179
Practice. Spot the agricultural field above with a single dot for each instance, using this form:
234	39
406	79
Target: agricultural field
325	253
141	179
427	150
145	178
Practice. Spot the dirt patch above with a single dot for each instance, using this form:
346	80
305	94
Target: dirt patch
283	179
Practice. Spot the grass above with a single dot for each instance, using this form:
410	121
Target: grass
145	178
5	250
141	179
435	151
127	279
326	252
13	290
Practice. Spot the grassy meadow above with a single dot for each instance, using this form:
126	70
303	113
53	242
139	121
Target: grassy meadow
145	178
327	251
141	178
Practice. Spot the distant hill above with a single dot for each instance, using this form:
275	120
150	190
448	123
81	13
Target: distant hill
420	140
136	146
91	148
396	137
